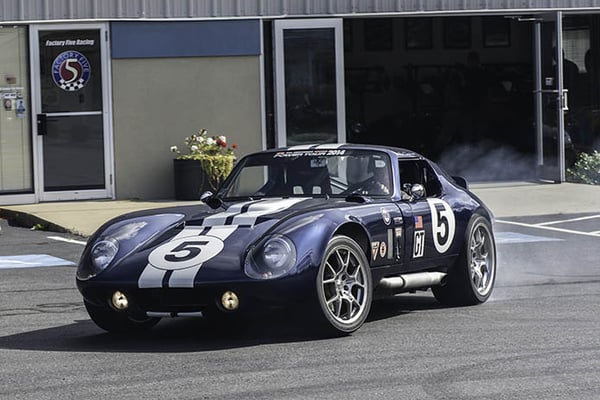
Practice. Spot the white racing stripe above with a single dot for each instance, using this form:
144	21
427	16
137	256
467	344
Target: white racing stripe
247	213
184	278
330	146
151	277
305	147
221	226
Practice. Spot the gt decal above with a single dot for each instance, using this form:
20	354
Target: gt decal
185	252
419	246
443	224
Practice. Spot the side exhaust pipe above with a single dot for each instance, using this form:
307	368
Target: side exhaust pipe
407	282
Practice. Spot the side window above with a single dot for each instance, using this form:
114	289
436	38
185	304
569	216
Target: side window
409	174
419	171
433	187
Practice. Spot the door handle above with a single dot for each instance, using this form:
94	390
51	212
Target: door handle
42	124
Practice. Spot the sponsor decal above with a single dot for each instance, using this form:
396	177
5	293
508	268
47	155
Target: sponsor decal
309	153
71	70
382	250
419	245
375	249
443	224
385	214
418	222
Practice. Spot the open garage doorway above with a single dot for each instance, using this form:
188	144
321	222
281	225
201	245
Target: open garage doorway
456	89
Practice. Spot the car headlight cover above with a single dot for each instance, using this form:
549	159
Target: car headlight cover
272	258
103	253
121	239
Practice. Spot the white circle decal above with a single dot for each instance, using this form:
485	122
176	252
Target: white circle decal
185	252
443	224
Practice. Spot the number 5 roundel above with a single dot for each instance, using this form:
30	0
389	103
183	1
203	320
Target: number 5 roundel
443	224
185	252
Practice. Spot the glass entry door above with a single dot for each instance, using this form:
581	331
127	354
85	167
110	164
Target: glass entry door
550	98
309	81
71	110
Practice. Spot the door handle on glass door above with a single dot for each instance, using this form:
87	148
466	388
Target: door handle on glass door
42	124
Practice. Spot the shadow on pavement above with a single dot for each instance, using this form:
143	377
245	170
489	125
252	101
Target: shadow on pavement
198	335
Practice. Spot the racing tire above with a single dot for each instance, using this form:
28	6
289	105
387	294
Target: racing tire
116	322
471	281
344	286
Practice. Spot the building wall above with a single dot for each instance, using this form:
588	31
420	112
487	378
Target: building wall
24	10
158	102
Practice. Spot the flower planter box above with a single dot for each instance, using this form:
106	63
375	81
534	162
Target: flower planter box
190	179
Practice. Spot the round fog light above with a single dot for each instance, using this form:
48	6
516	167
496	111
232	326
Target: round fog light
119	300
230	301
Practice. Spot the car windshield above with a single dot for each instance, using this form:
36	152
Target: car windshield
311	173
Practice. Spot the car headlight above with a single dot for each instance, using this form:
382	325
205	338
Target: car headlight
120	239
103	253
272	258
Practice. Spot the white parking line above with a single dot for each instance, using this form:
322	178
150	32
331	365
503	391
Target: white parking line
550	228
515	237
568	220
32	261
62	239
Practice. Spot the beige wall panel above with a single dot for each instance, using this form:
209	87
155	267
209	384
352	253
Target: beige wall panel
158	102
15	134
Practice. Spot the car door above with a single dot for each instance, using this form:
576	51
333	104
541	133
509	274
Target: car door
429	221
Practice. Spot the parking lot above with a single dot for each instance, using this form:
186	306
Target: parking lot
536	337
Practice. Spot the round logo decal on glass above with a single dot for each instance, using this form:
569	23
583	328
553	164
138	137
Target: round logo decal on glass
71	70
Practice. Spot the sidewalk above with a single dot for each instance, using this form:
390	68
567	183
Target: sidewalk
512	199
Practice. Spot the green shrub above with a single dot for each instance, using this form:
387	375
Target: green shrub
586	169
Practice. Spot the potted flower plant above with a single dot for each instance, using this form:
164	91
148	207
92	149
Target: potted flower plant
203	167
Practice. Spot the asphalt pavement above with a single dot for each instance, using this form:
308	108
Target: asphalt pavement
536	338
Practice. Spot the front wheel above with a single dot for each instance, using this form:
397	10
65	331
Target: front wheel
344	286
472	279
113	321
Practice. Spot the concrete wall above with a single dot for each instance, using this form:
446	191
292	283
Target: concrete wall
158	102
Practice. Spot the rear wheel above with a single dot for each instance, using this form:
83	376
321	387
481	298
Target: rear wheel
113	321
472	279
344	286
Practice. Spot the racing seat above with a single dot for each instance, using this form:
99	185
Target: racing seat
303	179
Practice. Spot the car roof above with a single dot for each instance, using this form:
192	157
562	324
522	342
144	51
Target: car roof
394	151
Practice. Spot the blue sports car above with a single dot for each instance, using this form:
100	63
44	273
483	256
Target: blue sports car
323	228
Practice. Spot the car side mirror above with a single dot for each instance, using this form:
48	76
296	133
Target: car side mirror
417	191
211	200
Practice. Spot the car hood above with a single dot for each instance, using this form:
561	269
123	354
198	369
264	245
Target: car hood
211	245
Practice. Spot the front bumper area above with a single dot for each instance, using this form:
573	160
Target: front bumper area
253	296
